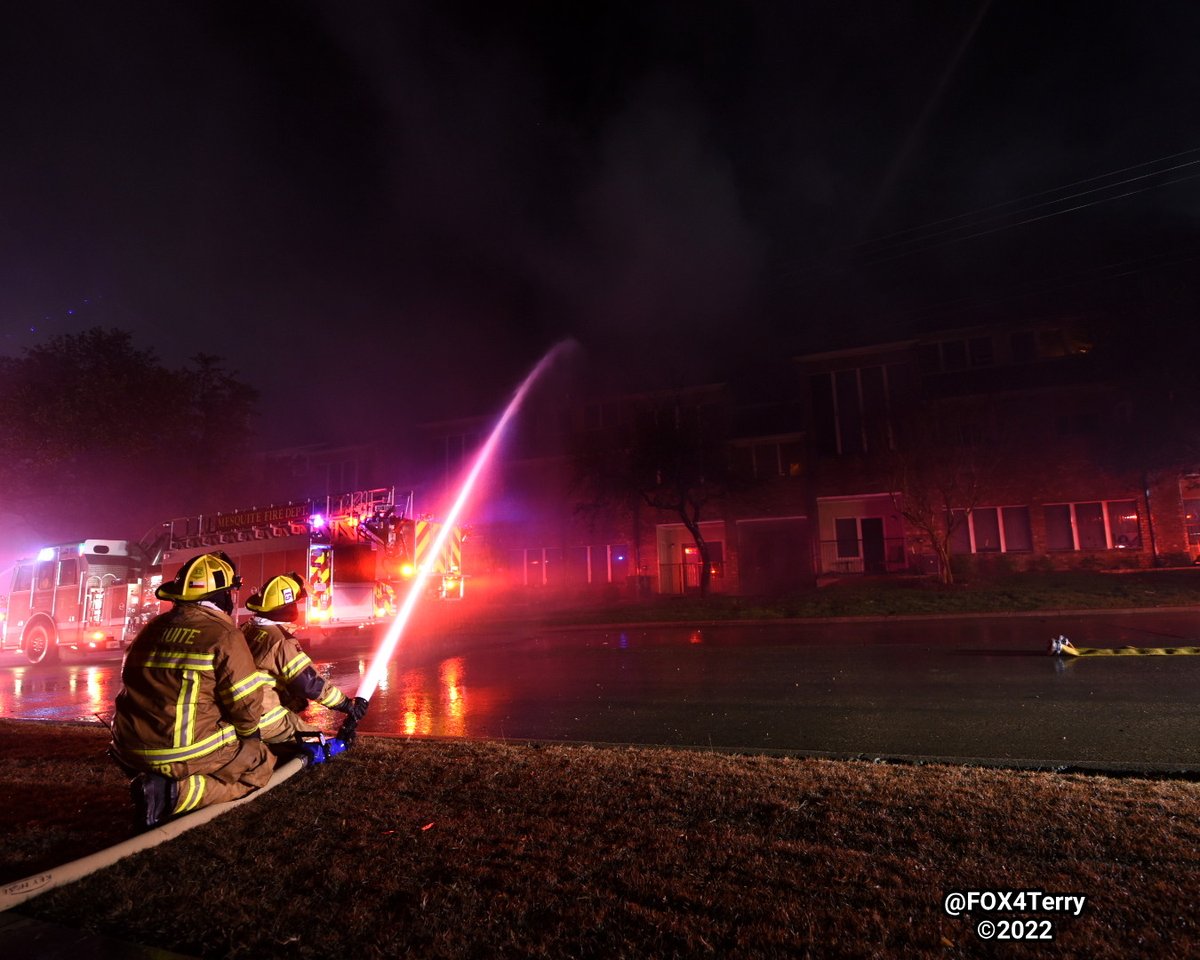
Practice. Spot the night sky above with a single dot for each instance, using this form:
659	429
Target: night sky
408	203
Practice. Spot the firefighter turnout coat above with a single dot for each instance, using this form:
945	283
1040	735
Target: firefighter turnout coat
290	680
190	706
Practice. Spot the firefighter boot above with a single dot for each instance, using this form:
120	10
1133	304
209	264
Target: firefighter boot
153	799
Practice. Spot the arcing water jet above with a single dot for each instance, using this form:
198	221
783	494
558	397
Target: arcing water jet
395	630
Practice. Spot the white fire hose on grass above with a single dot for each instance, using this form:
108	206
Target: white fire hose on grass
17	892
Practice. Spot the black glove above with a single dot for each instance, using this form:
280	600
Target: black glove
355	708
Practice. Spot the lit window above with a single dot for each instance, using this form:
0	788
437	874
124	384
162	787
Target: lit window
1191	517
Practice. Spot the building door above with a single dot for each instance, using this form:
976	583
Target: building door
874	554
774	556
679	560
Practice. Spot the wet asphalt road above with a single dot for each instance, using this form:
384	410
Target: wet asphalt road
965	689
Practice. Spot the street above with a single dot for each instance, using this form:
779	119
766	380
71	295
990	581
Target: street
967	689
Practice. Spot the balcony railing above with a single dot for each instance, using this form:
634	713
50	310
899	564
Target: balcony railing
685	577
865	557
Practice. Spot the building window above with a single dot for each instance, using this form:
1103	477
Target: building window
1018	534
1191	519
947	355
992	530
602	415
982	352
985	528
1093	525
765	460
929	358
552	566
848	410
1024	346
852	409
1089	526
1123	522
954	355
846	531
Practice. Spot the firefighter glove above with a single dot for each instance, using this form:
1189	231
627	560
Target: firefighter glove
355	708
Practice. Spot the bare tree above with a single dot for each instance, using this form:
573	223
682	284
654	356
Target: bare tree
944	465
671	455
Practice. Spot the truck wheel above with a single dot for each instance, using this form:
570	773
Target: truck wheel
39	644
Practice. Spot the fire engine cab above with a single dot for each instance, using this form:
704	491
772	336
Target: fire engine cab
358	552
86	595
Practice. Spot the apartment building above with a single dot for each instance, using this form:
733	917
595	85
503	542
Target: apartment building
988	448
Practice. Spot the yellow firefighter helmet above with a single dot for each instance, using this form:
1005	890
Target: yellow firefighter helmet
200	578
281	591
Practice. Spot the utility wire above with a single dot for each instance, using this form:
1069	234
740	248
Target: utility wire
1030	196
972	220
934	241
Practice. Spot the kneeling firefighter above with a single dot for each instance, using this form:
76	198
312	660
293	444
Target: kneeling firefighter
187	716
291	680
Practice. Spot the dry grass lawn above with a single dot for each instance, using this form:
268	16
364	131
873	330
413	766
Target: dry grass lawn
467	849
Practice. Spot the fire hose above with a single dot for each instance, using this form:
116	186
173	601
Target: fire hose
17	892
1061	646
314	748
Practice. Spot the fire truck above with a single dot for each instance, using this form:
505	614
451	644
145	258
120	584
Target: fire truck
85	595
359	553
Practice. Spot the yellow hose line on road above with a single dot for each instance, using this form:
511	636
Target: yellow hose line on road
1064	647
19	891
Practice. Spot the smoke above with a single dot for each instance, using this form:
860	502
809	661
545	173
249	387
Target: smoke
665	243
519	222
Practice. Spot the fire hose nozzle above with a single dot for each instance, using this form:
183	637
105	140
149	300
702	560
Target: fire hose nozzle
348	731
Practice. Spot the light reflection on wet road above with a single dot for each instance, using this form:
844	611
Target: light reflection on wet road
969	688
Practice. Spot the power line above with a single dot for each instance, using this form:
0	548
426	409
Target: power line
1028	220
972	220
1032	196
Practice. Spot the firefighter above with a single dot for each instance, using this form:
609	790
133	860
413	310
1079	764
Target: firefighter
186	723
290	679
